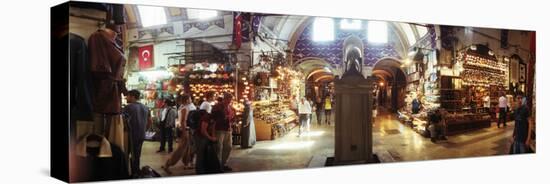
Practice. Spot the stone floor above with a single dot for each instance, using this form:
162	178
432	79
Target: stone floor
391	138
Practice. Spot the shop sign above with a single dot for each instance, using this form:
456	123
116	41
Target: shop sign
146	57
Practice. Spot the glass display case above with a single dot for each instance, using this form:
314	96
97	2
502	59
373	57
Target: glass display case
273	119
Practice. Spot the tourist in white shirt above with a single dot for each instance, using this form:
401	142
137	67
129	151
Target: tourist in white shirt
208	103
487	102
503	108
304	109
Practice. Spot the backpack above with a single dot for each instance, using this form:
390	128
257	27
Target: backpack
163	122
194	118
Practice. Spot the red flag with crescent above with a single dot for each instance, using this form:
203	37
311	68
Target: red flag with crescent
145	57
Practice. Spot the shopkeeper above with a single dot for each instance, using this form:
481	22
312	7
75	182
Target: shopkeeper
415	105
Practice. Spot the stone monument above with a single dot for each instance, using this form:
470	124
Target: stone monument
353	109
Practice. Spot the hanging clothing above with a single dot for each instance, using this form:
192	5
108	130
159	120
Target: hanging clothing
80	79
248	130
116	132
107	67
106	162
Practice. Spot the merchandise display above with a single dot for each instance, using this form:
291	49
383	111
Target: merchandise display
482	71
244	91
273	119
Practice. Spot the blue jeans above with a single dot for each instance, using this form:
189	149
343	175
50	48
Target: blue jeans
518	147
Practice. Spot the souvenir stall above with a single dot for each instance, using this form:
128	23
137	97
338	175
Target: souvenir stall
272	116
423	92
156	85
205	77
468	91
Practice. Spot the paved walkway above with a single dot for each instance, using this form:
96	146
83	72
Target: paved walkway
390	136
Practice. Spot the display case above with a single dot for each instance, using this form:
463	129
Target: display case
273	119
457	122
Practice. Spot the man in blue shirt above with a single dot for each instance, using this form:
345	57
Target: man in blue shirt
138	118
521	135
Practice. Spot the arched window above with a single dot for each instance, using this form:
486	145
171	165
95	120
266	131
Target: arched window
350	24
377	32
151	15
201	14
323	29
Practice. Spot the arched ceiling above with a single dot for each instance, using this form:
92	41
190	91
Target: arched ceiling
172	14
387	68
316	70
287	27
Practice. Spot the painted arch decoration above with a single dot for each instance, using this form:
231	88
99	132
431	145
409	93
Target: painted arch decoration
332	51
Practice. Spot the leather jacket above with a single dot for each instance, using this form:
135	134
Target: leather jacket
107	66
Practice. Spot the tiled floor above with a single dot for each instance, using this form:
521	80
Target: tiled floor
390	136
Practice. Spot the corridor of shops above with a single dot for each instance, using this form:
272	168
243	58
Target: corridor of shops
393	142
269	83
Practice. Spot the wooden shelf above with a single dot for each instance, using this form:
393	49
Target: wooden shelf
450	100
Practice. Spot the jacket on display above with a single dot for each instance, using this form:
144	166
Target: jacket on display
107	67
105	162
80	79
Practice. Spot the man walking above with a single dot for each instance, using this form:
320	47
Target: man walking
167	124
304	109
223	115
318	110
503	108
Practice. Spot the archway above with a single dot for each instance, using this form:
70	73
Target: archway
391	83
318	77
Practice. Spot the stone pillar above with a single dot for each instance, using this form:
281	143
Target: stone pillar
353	109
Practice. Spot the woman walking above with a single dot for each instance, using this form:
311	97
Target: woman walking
184	151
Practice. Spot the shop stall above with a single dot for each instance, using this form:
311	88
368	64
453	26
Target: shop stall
273	91
468	92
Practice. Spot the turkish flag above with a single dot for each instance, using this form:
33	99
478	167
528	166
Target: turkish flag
237	28
145	57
